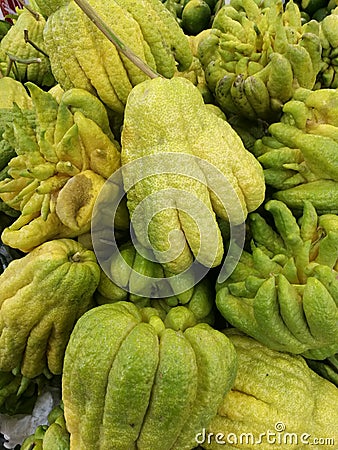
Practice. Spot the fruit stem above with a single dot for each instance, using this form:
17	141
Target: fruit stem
15	59
23	60
219	5
28	41
121	47
76	257
35	14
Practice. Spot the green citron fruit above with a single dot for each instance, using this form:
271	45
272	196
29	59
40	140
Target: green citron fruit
53	436
273	391
65	150
167	120
256	55
136	281
284	293
196	16
46	8
300	154
21	60
130	381
42	296
82	57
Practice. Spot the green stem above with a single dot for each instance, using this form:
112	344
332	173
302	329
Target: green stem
28	41
13	60
23	60
34	13
219	5
121	47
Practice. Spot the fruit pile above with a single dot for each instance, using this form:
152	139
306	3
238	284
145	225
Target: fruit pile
169	223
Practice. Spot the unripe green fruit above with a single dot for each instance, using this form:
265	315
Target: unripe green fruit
196	16
131	380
